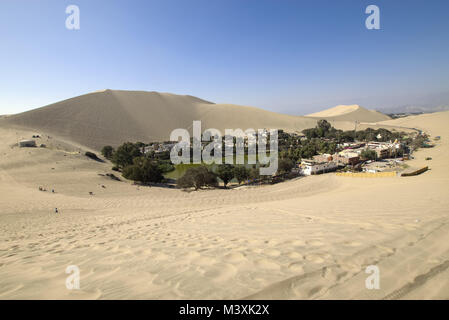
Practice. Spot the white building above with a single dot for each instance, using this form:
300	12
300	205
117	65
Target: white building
309	167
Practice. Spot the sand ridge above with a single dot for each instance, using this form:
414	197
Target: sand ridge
111	117
350	113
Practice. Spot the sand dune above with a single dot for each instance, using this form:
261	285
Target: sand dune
350	113
111	117
309	238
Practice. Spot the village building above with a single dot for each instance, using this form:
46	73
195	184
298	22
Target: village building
343	158
346	158
325	157
158	147
310	167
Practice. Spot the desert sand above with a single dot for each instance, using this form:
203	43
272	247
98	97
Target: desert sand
111	117
309	238
350	113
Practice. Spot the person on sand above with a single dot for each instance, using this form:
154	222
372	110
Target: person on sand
56	210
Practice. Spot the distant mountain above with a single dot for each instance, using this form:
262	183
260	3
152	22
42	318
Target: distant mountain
415	109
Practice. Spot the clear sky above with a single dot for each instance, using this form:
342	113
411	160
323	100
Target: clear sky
287	56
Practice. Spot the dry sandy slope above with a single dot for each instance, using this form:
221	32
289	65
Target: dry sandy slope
350	113
111	117
309	238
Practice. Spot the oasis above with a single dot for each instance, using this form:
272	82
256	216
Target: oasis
255	143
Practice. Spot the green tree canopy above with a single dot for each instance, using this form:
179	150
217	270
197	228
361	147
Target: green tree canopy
368	154
241	173
125	154
143	170
285	165
197	177
225	172
107	152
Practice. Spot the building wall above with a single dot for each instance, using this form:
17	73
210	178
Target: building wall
318	168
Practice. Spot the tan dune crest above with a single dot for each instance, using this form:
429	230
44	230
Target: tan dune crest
111	117
350	113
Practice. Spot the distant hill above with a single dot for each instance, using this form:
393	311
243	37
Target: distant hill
111	117
415	109
350	113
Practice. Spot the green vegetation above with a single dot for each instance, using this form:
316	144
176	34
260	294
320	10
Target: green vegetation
125	154
143	170
152	166
225	172
285	165
107	152
136	166
421	141
368	155
325	139
241	173
325	130
197	177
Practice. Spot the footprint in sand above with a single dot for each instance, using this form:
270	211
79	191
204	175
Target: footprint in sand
386	251
161	257
296	243
326	273
189	256
296	267
267	264
315	258
271	242
272	252
204	261
220	272
295	255
235	257
315	243
352	243
351	267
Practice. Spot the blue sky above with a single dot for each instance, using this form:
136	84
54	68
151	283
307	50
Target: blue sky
287	56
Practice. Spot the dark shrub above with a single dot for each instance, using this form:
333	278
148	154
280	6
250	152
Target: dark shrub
93	156
285	165
368	155
225	172
107	152
241	173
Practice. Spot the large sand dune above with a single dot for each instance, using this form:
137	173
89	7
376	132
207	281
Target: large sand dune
309	238
350	113
111	117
